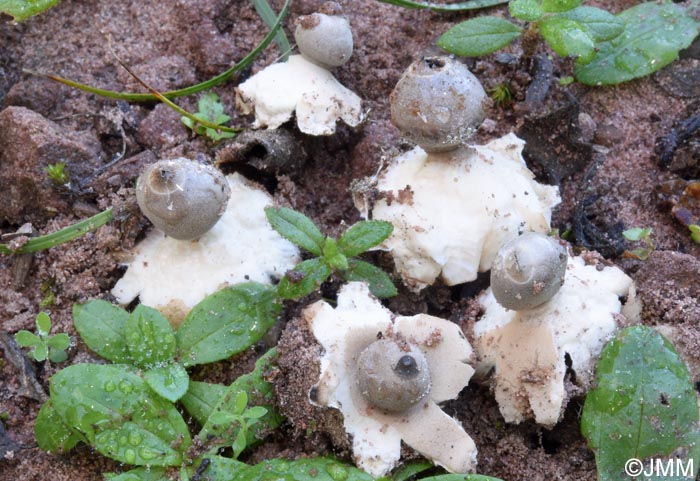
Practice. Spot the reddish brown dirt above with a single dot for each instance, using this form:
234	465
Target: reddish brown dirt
173	44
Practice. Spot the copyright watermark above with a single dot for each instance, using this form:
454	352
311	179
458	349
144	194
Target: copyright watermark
659	467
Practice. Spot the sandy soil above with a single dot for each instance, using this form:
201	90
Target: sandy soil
605	165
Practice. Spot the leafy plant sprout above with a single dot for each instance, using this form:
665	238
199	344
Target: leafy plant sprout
44	346
501	94
609	49
210	110
695	233
242	416
639	234
57	173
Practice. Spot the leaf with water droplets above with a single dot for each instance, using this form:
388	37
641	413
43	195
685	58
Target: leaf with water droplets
314	469
51	433
23	9
201	399
258	392
103	328
644	405
226	323
116	411
653	36
139	474
149	337
170	381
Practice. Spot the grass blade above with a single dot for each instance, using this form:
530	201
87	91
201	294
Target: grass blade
59	237
452	7
212	82
270	18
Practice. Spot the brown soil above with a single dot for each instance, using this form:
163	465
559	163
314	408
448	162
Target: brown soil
615	184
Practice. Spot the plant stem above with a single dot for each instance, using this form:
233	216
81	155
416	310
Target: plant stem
452	7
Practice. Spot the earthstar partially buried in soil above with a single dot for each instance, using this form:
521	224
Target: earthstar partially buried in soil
421	360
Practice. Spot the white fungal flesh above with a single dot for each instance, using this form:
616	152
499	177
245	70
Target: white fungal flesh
451	214
528	348
302	86
344	332
173	275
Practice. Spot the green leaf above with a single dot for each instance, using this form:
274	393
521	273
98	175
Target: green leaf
479	36
332	257
568	38
119	414
23	9
26	339
240	403
226	323
599	24
258	392
57	355
216	468
315	469
380	284
363	236
60	341
170	381
558	6
695	233
460	477
304	279
297	228
446	7
653	36
210	110
40	352
201	399
140	474
43	324
239	443
409	470
636	233
103	328
256	412
51	433
644	405
149	337
527	10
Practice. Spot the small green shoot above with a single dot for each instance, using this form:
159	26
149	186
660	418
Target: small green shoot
638	234
643	407
43	346
331	255
695	233
59	237
57	173
23	9
609	49
242	417
501	94
212	111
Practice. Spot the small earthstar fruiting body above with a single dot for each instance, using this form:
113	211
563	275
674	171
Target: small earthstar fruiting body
181	197
528	270
423	360
324	39
438	104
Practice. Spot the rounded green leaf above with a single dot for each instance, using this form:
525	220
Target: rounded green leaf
296	227
653	36
644	405
527	10
479	36
103	328
26	339
226	323
557	6
43	324
57	355
40	352
568	38
170	381
51	433
201	398
149	337
599	24
363	236
60	341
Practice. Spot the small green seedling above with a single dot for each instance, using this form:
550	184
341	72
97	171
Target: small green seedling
242	416
212	111
609	49
57	173
501	94
695	233
43	346
331	255
639	234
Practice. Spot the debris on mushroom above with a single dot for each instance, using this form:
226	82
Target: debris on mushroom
181	197
173	275
303	83
452	205
528	350
387	374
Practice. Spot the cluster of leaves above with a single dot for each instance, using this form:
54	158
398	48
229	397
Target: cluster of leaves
57	173
609	49
643	407
126	410
639	234
331	255
43	346
211	110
